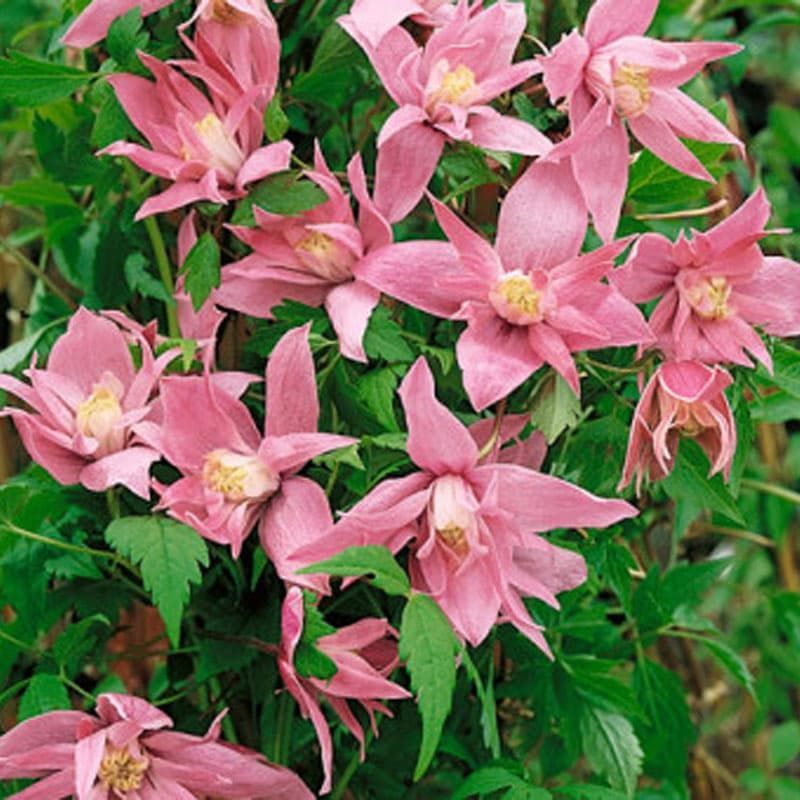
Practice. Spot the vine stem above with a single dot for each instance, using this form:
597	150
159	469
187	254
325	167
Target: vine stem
495	434
283	729
352	767
39	273
160	252
773	489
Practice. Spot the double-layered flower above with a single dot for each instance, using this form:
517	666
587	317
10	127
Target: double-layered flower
84	408
375	18
714	287
209	147
364	655
123	752
611	75
530	300
311	258
443	91
472	524
235	477
682	399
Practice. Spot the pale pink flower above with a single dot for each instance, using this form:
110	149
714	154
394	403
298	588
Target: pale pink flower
311	257
714	287
123	752
375	18
235	477
364	653
443	91
682	398
530	300
611	75
472	524
86	406
210	148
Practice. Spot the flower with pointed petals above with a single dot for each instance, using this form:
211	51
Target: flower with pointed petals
473	523
123	752
209	148
443	92
233	477
84	412
364	655
530	300
613	74
375	18
311	258
682	398
714	287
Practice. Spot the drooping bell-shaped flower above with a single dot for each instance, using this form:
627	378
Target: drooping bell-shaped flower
681	399
83	414
443	91
125	752
612	75
529	300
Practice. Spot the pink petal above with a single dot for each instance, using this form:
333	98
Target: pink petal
93	22
563	67
350	306
549	345
613	19
497	132
375	230
437	441
129	468
289	452
180	194
778	283
265	161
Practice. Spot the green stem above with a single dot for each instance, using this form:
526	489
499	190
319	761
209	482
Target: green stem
353	765
773	489
227	723
160	252
113	502
39	273
12	640
76	688
283	729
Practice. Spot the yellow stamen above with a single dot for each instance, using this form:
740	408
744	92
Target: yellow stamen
317	244
454	537
238	477
632	89
519	293
455	84
120	771
711	298
224	12
98	412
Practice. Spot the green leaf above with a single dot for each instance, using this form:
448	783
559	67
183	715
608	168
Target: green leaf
589	791
786	364
44	693
783	745
169	554
377	389
276	123
202	269
125	37
29	82
555	407
784	122
689	483
20	351
487	780
78	640
611	748
429	647
374	561
384	338
142	281
731	661
37	192
286	193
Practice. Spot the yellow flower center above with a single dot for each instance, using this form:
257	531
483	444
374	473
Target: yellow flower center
238	477
632	91
455	84
711	298
98	414
222	151
455	538
120	771
317	244
517	300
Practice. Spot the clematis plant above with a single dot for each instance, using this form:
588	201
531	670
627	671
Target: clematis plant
714	288
612	75
530	300
472	526
233	476
124	752
312	258
83	414
363	654
374	19
209	147
443	91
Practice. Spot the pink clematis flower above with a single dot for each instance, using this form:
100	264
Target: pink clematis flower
375	18
530	300
311	258
443	91
472	524
233	476
82	426
124	753
612	74
715	287
683	398
364	654
210	149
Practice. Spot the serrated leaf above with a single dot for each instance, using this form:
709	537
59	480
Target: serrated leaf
140	280
555	407
38	192
170	555
611	747
487	780
286	193
429	647
731	661
384	338
377	389
26	81
77	641
125	37
589	791
202	269
44	693
276	123
374	561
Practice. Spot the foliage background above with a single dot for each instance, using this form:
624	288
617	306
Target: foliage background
682	650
